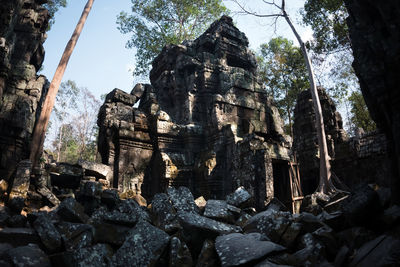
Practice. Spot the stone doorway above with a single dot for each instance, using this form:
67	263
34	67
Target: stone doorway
287	186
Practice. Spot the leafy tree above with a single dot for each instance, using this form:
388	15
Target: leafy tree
67	145
333	54
86	125
331	46
155	23
75	112
327	18
360	115
284	73
53	6
66	100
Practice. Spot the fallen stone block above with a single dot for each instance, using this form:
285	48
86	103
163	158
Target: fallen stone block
201	203
71	211
182	199
240	198
179	254
239	249
76	235
382	251
219	210
110	233
143	246
163	213
67	176
110	197
197	228
30	255
313	252
19	236
98	170
118	95
363	207
48	233
279	226
98	255
208	256
45	192
391	216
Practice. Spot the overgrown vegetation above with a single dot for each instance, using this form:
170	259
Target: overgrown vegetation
73	130
53	6
155	23
284	74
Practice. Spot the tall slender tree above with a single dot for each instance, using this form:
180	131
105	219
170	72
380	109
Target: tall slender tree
326	186
41	124
283	71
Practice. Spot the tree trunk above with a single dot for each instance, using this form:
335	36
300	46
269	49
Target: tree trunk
59	143
42	122
326	186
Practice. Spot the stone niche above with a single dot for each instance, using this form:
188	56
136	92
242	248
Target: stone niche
23	28
205	122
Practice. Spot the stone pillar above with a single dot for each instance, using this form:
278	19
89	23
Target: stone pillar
20	185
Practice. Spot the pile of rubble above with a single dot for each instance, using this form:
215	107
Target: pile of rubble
98	228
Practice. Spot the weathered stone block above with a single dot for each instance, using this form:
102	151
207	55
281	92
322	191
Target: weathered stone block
142	247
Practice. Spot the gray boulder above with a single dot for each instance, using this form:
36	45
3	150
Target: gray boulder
76	235
71	211
29	256
179	255
163	213
48	233
382	251
98	170
98	255
143	246
182	199
239	249
240	198
221	210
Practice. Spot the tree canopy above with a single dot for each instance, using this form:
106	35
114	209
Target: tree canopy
327	18
53	6
73	129
155	23
360	116
284	73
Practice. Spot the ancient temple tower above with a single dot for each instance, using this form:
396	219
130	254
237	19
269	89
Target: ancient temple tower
204	122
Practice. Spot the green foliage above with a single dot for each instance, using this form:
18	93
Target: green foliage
331	46
283	70
332	55
327	18
155	23
66	99
74	115
360	114
53	6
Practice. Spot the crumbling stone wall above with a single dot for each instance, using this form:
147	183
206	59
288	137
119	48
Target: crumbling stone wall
204	122
375	37
23	25
305	143
362	158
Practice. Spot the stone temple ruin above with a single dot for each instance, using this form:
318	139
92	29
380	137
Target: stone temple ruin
205	122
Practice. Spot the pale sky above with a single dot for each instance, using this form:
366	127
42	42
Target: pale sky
100	60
